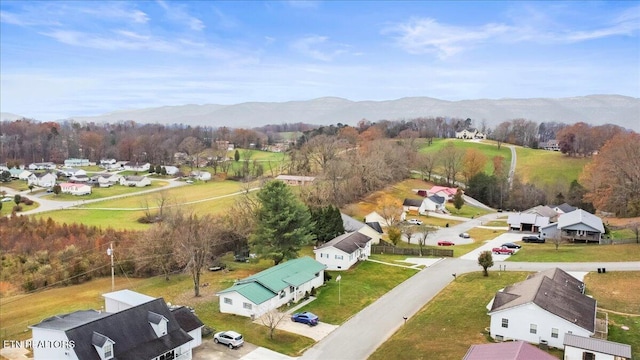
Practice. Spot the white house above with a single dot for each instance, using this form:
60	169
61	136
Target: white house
137	181
344	251
71	172
142	329
75	189
73	162
107	163
23	174
542	308
201	175
134	166
374	217
42	180
470	134
295	180
584	348
527	222
42	166
369	229
269	289
412	205
171	170
577	225
108	180
433	203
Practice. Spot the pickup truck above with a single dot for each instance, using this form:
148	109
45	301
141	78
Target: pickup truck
503	251
532	239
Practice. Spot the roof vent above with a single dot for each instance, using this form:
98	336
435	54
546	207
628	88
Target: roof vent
545	294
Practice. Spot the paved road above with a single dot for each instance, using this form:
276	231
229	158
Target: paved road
361	335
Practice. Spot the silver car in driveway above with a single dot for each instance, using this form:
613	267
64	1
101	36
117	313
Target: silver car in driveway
230	338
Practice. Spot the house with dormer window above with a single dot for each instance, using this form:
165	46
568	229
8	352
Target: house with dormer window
140	327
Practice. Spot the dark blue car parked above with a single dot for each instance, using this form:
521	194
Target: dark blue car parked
305	318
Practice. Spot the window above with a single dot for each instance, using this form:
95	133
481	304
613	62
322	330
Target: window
554	333
505	323
246	306
108	350
588	356
228	301
282	294
291	289
338	257
533	328
499	338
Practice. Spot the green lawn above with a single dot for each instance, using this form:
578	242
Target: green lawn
18	185
548	170
467	211
360	286
453	320
99	193
630	336
488	148
116	219
7	207
577	253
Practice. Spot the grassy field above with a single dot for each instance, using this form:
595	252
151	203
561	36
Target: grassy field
99	193
577	253
548	170
618	291
488	148
360	286
445	327
116	219
18	185
7	207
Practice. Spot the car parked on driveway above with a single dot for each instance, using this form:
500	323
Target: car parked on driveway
414	222
503	251
230	338
306	318
445	243
464	235
511	245
532	239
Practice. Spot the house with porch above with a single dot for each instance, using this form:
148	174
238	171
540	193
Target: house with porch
470	133
42	166
43	180
433	203
135	166
447	192
576	226
542	309
108	180
139	327
287	282
74	162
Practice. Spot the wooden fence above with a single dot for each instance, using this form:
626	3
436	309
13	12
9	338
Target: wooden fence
381	249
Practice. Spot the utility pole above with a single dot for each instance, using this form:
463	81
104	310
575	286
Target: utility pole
110	253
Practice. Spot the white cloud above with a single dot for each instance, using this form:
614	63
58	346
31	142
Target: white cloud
180	15
318	47
428	36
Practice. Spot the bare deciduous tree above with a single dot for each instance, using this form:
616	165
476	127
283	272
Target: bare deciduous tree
272	319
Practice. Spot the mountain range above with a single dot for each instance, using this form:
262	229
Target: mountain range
593	109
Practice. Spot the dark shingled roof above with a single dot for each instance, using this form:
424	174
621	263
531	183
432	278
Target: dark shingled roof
554	291
566	208
348	242
412	202
436	199
188	320
375	226
129	329
516	350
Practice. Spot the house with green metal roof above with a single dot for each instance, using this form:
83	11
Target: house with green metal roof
269	289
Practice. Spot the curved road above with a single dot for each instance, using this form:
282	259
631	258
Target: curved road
361	335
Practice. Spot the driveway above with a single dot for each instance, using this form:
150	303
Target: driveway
490	244
317	332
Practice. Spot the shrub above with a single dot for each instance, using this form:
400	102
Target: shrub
17	208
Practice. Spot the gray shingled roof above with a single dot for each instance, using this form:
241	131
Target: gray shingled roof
186	318
348	242
412	202
350	224
436	199
512	350
129	329
554	291
598	345
577	217
566	208
375	226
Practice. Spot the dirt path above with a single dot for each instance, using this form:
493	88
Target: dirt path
617	312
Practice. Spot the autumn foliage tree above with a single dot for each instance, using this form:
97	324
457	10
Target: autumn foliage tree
612	179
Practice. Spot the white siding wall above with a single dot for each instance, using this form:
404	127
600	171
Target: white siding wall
374	235
45	346
571	353
196	334
330	256
521	317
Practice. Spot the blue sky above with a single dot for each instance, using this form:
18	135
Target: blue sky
62	59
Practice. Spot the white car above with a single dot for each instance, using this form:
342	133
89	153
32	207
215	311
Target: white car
7	199
415	222
230	338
